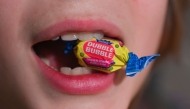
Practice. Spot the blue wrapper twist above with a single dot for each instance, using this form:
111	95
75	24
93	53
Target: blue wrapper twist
69	45
135	64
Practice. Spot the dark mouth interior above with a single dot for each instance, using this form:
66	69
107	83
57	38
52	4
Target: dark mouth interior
54	51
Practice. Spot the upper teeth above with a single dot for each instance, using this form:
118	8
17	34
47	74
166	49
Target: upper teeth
54	39
81	36
71	36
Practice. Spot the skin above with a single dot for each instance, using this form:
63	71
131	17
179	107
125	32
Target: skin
22	86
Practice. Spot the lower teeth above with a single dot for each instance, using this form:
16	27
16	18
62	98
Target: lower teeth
45	61
75	71
68	70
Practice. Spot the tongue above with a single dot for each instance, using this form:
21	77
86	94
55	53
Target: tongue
53	51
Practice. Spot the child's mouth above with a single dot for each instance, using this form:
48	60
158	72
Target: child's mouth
61	70
52	53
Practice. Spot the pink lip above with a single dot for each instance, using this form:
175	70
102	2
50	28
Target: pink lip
78	84
66	26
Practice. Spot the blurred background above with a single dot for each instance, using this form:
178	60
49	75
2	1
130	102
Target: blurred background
170	82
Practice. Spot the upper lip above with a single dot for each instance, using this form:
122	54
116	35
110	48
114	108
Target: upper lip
73	25
77	84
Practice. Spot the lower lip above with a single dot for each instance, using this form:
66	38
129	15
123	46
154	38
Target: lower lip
77	84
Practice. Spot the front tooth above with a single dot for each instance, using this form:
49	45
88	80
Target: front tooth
54	68
46	61
69	37
86	70
85	36
98	35
65	70
56	38
76	71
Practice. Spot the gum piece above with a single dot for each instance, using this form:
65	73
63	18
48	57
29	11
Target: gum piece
108	55
104	55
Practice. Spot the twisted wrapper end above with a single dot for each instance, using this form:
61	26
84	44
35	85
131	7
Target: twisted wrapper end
135	64
69	45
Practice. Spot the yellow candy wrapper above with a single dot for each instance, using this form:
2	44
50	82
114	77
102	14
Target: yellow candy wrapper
107	55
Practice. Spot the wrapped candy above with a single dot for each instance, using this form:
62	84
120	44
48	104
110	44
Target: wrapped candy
109	55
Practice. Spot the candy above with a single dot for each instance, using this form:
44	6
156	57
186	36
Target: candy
109	55
104	55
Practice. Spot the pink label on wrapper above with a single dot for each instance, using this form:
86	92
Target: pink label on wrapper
98	62
99	50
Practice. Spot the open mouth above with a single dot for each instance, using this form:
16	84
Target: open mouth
62	70
52	53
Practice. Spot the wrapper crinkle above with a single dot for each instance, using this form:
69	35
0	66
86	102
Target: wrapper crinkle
109	55
104	55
